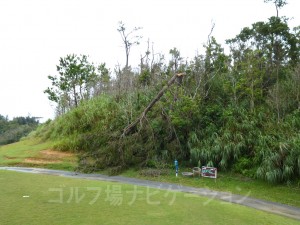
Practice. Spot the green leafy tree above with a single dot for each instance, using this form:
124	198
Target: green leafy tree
275	41
215	58
175	59
274	49
72	84
104	78
245	80
3	124
216	64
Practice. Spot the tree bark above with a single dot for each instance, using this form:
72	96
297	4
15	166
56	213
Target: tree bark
132	126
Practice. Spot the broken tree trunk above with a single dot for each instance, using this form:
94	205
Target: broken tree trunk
130	128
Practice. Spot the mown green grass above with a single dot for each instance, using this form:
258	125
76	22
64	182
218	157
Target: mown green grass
35	199
233	183
16	153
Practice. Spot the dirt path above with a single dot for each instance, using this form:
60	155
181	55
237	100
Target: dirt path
276	208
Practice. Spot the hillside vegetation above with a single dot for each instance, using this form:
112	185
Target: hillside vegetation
238	111
13	130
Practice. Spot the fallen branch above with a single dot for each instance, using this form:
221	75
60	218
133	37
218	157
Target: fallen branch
132	126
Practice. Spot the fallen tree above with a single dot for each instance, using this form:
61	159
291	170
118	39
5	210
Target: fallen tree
131	127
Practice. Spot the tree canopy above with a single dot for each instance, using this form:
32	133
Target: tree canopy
76	81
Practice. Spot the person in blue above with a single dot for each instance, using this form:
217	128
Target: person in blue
176	167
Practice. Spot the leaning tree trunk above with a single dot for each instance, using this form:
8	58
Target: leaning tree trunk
131	127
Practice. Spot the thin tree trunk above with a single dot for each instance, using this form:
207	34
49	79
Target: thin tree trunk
75	97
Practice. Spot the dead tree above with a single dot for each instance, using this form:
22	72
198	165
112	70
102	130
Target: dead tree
128	39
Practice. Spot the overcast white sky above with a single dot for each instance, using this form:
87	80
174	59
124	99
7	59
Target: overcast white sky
34	34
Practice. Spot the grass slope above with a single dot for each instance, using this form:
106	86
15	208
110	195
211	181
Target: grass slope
57	200
32	152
